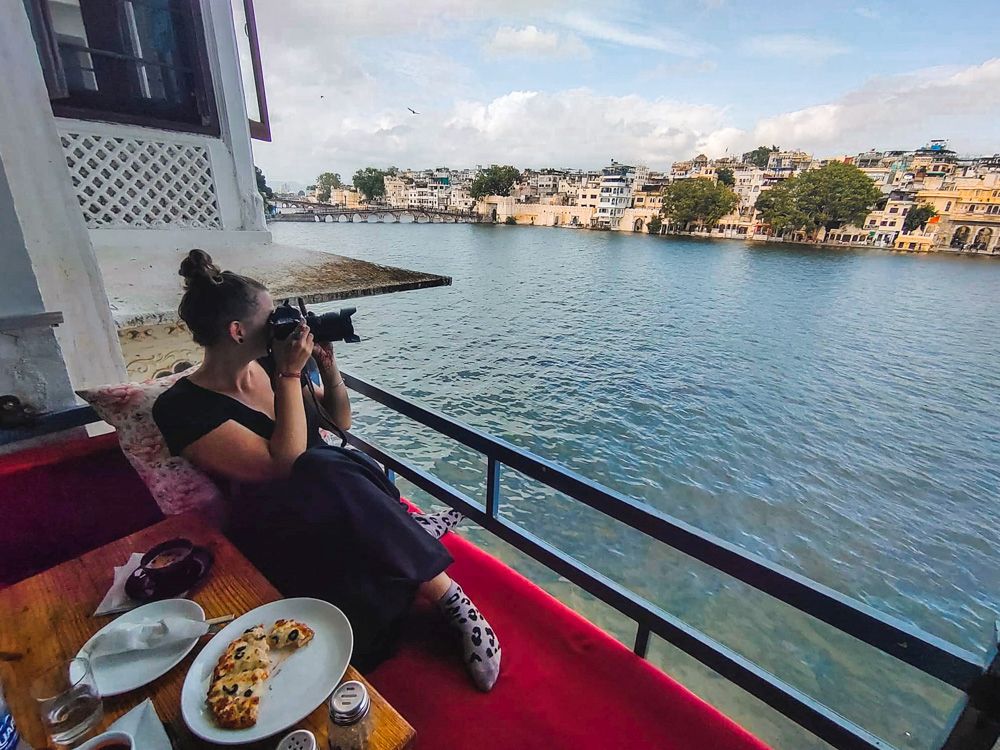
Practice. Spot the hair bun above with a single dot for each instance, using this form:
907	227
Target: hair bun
198	267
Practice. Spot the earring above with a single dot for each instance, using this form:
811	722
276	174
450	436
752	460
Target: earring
240	339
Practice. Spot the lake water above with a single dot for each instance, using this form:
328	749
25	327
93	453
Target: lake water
833	411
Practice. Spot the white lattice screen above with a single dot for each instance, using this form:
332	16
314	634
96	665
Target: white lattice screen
128	182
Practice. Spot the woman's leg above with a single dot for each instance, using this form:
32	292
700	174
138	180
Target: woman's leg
438	524
480	645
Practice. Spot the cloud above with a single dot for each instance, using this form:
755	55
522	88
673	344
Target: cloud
908	109
362	119
530	41
794	47
657	39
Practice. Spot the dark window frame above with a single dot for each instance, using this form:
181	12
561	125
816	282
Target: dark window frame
259	129
81	106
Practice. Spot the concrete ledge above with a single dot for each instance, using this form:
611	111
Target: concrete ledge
144	287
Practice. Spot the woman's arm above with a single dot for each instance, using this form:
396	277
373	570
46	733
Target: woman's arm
333	392
235	452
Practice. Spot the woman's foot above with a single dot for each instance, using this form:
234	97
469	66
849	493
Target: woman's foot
480	645
438	524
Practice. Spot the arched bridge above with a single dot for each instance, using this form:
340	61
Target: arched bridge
319	212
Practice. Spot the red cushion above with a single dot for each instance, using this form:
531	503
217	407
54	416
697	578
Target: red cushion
64	499
563	683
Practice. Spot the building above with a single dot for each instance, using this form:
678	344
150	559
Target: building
615	195
125	140
395	191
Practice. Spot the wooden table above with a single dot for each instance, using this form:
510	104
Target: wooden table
47	618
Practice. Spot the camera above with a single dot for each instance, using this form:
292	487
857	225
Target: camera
330	326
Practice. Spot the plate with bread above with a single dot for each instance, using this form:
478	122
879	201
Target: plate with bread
266	671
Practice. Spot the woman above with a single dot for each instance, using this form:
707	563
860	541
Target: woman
316	519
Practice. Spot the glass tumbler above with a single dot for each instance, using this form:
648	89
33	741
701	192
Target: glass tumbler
68	701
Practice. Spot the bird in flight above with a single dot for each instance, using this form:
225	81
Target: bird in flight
413	111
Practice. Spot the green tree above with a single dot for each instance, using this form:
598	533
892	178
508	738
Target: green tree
655	225
370	182
778	210
759	156
834	195
495	180
825	198
698	200
725	176
510	220
265	192
918	217
326	182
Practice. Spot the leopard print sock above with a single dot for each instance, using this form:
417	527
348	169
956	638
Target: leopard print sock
438	524
480	645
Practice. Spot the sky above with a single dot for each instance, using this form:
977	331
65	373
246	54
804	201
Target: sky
573	83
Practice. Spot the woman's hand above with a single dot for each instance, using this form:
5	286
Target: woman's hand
292	354
323	353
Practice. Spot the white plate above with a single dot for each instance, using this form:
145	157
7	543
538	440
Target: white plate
301	683
118	673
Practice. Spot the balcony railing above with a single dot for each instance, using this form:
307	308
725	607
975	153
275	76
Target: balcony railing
974	726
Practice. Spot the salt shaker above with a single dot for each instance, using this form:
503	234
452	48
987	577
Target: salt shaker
350	724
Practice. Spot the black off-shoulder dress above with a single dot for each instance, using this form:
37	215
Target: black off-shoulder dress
335	529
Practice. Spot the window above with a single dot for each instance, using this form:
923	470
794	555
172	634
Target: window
136	61
894	210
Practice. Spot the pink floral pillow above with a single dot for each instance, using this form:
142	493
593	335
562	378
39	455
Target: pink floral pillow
175	484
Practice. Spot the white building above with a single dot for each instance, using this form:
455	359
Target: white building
125	140
614	195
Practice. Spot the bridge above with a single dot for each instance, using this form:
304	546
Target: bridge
320	212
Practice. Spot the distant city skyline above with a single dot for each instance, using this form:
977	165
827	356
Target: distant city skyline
571	84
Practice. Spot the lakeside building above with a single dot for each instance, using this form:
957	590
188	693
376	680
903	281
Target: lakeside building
625	198
968	218
125	142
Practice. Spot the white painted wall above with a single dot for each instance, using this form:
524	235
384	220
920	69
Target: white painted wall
230	153
48	260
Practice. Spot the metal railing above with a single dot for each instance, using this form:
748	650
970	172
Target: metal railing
974	726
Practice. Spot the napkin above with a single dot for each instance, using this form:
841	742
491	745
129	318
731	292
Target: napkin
116	598
119	638
144	726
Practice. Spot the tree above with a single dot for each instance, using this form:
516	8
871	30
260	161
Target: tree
325	183
698	199
725	176
834	195
495	180
778	210
825	198
265	192
655	225
918	217
759	156
370	182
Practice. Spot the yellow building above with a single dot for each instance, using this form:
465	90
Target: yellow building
968	217
346	197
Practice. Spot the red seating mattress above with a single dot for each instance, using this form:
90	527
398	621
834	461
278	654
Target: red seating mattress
564	683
